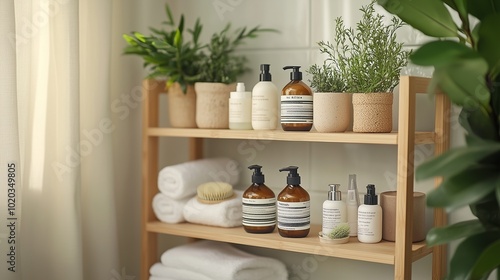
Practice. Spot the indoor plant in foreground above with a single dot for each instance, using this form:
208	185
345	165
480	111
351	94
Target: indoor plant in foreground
369	60
220	68
466	68
167	54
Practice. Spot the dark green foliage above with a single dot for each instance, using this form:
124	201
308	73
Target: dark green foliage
466	68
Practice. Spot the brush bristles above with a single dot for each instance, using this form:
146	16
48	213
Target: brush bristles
214	192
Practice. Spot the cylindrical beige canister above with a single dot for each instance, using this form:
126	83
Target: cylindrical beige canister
388	204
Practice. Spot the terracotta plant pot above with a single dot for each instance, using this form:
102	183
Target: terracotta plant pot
332	111
212	104
372	112
181	106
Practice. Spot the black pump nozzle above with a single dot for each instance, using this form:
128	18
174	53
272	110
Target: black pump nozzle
295	75
257	177
293	177
370	196
264	73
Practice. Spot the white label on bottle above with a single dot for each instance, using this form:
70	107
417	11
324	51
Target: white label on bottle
369	224
259	212
331	219
296	109
240	110
294	215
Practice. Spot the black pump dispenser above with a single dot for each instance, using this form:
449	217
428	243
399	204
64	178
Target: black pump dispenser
264	73
295	75
293	177
257	177
370	196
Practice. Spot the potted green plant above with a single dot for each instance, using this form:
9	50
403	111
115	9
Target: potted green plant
466	61
167	54
369	61
220	68
332	105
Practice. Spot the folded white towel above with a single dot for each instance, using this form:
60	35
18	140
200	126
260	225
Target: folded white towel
160	272
169	210
227	213
222	261
181	180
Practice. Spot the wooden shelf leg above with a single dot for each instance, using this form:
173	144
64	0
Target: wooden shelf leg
405	170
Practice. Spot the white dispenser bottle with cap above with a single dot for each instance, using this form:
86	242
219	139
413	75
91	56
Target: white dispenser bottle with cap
370	218
240	108
334	210
265	102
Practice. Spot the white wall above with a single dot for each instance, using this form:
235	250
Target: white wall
302	23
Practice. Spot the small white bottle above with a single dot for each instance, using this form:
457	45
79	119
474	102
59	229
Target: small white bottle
265	102
334	210
352	202
370	218
240	108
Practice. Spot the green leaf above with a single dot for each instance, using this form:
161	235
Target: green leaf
467	253
429	16
478	122
140	37
467	187
487	211
455	160
482	8
488	261
439	53
498	191
463	80
178	39
169	15
489	43
442	235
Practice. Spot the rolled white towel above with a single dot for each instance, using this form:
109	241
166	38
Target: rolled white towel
227	213
181	180
169	210
222	261
160	272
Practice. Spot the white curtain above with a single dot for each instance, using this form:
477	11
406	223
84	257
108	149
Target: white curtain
56	128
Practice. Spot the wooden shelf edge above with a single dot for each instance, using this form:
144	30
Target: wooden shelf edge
280	135
382	252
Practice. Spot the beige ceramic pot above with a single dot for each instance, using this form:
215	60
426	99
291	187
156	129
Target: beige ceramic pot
372	112
332	111
212	104
181	106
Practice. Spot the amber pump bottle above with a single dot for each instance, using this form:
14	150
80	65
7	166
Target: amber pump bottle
259	205
294	216
296	103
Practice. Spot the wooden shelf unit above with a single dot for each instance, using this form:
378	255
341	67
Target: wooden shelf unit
401	253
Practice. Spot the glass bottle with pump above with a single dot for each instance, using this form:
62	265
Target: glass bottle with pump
259	205
294	216
334	210
296	103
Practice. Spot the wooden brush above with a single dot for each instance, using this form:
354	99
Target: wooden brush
214	192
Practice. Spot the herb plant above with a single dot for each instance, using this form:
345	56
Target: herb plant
362	60
220	64
326	78
166	53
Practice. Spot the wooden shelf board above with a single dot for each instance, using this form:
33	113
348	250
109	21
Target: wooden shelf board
382	252
280	135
